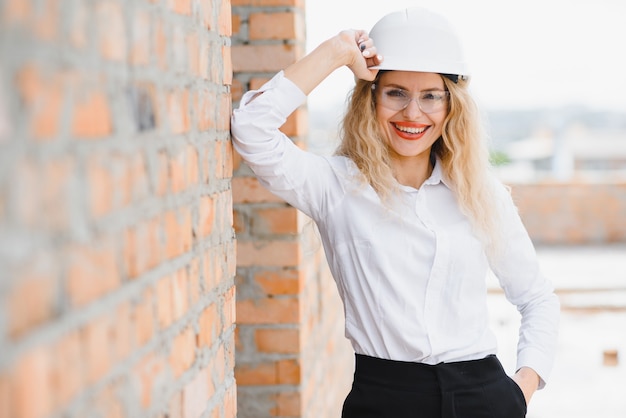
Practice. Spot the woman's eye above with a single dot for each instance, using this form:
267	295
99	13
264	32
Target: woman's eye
433	96
396	93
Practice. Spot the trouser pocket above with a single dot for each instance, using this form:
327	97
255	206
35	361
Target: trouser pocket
505	398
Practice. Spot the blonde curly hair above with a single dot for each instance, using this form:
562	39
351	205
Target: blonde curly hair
462	151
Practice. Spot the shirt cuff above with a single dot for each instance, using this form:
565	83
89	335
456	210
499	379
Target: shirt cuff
536	360
284	95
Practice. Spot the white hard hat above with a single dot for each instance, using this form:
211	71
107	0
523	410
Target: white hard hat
417	39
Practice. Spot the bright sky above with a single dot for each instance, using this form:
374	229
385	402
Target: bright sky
523	53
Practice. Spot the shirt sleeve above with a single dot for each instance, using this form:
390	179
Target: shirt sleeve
517	269
303	179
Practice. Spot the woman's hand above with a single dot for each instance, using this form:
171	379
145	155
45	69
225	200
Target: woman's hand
350	48
528	380
361	53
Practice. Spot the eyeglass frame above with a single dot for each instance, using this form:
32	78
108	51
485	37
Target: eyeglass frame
411	98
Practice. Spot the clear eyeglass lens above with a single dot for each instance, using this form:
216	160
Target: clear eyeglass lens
428	101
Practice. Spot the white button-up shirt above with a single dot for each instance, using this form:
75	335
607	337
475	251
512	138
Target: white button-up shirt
412	276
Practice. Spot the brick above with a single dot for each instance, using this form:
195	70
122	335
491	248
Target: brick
147	370
160	43
224	112
229	159
196	394
240	223
46	20
16	11
257	82
206	12
206	103
236	24
181	6
143	317
180	293
223	160
229	309
279	282
179	171
249	190
230	402
101	186
296	123
6	396
175	406
67	373
206	216
287	404
108	403
182	354
214	70
32	300
193	54
92	271
203	60
178	111
43	95
208	325
264	58
77	25
219	366
224	208
57	176
278	340
276	220
92	116
231	259
268	311
95	337
236	90
192	173
111	30
256	374
162	176
163	299
268	253
141	247
209	269
121	337
224	20
178	51
130	245
139	54
195	287
289	372
275	26
178	232
32	380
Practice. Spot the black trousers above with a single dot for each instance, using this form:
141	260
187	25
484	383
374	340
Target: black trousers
466	389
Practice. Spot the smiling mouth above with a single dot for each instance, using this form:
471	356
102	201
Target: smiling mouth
410	130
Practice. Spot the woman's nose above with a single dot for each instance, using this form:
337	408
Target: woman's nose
412	110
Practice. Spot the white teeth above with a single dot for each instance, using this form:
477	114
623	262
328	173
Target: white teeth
410	130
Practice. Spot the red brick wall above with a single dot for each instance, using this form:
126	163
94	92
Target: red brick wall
117	254
573	213
292	359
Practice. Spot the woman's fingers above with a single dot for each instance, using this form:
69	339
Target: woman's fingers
364	46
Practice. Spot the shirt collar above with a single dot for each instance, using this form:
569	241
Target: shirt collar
438	176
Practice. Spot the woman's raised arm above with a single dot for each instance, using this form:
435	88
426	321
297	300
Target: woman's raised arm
352	48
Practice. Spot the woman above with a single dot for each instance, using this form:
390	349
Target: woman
411	219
